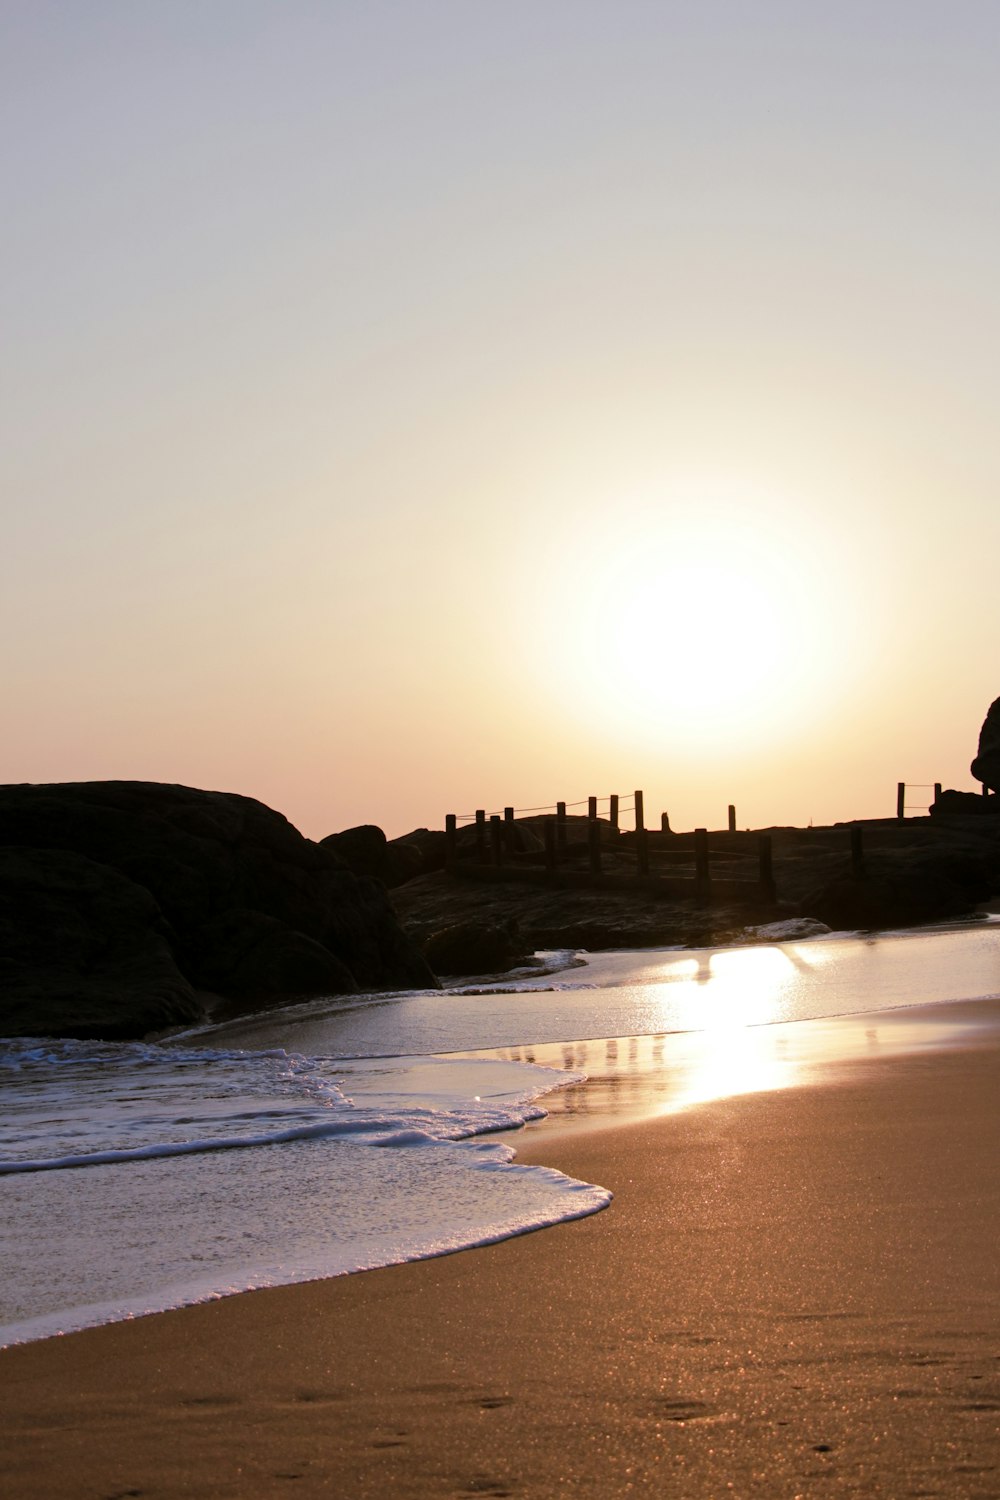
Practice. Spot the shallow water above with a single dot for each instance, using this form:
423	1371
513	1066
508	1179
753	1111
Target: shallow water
646	992
327	1137
136	1178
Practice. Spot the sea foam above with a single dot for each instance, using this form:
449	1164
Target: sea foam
138	1178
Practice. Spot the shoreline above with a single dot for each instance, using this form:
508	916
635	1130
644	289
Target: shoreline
514	981
792	1288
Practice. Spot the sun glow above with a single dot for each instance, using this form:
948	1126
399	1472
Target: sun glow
706	617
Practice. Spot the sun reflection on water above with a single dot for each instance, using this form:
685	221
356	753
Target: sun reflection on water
732	1006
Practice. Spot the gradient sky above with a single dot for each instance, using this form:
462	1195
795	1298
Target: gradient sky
419	406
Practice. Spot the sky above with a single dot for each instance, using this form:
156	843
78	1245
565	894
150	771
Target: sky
420	406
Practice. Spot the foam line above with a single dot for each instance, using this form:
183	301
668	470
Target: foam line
319	1131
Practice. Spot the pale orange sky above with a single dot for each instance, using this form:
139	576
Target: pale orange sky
420	407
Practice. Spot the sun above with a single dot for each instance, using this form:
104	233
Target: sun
706	621
697	641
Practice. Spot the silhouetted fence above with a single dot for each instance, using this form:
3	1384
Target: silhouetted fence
903	788
557	845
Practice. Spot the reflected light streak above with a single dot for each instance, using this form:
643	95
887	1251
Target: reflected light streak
638	1077
723	990
726	1062
731	997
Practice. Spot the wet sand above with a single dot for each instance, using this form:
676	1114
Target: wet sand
795	1293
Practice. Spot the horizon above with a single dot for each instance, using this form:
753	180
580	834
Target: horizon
415	409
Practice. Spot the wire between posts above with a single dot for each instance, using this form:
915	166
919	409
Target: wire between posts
552	807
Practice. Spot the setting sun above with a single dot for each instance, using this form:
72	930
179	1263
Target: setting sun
709	614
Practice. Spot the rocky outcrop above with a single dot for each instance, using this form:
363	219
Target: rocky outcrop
913	871
475	947
986	766
950	804
84	951
443	913
421	852
215	891
366	851
902	890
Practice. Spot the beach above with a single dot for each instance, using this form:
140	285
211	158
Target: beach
794	1292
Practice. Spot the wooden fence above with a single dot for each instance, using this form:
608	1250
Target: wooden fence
903	789
554	845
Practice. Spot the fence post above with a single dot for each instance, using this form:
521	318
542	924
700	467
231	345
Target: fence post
701	875
481	835
857	851
641	846
732	818
561	827
508	829
450	840
550	843
764	864
901	799
613	811
937	791
496	839
591	807
594	844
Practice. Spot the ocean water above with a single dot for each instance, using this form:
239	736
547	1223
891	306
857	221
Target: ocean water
135	1178
339	1135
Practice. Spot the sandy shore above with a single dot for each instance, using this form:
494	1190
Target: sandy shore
794	1294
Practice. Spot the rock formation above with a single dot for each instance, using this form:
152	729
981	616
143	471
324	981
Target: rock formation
902	888
475	947
121	899
84	951
366	851
986	766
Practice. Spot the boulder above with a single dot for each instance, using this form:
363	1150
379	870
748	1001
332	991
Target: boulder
84	951
789	930
952	804
245	953
900	889
986	766
474	948
366	851
363	849
524	837
429	844
404	862
242	902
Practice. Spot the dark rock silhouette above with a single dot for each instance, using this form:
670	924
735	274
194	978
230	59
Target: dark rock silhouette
902	889
443	915
986	766
914	871
366	851
246	952
950	804
84	951
216	892
420	852
474	947
363	849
